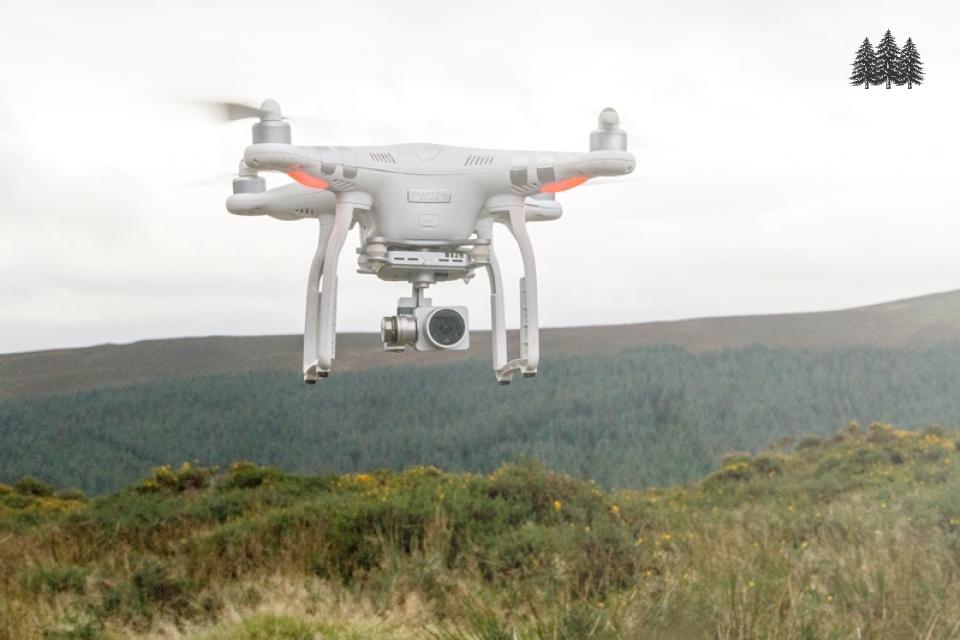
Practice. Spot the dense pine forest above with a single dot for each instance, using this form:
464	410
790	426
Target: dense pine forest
644	416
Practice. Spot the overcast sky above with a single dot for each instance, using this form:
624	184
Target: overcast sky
764	182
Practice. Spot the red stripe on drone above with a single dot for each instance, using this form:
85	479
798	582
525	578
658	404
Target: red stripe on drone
308	180
563	185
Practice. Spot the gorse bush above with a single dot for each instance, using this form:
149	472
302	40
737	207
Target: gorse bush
855	534
187	477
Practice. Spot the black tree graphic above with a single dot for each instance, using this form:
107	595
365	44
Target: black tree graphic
911	69
888	59
865	66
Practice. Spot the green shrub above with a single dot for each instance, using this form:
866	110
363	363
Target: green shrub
853	461
247	475
155	588
770	464
16	501
735	471
187	477
29	486
809	442
71	494
880	433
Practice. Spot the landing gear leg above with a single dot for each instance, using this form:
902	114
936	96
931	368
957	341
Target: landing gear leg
322	314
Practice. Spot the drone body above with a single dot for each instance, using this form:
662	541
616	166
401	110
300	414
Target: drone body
426	215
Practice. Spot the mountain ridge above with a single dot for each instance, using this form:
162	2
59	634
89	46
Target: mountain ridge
916	321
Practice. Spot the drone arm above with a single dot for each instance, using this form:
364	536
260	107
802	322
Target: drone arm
593	164
329	168
547	172
272	156
289	202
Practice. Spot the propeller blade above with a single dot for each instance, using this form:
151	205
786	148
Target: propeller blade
234	111
230	111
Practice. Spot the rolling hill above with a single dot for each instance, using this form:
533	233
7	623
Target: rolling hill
914	322
628	406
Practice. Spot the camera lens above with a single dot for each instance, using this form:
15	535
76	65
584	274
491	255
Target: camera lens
446	327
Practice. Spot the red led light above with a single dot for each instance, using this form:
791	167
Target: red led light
563	185
308	180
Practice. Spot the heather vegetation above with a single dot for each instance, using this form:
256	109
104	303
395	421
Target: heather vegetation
640	417
852	535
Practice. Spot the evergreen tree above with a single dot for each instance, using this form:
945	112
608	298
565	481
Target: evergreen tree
911	69
888	60
865	66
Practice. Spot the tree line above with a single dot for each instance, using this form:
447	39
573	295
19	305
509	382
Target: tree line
887	64
651	415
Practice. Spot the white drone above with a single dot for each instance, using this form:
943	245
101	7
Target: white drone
426	215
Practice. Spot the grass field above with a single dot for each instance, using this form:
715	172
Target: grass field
853	536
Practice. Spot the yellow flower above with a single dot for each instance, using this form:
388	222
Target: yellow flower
666	537
615	510
557	506
639	541
751	584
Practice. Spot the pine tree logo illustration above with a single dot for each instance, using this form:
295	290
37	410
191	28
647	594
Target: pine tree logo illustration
865	66
888	64
911	69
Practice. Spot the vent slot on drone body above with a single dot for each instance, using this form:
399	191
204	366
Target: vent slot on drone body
342	185
385	158
304	212
478	159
